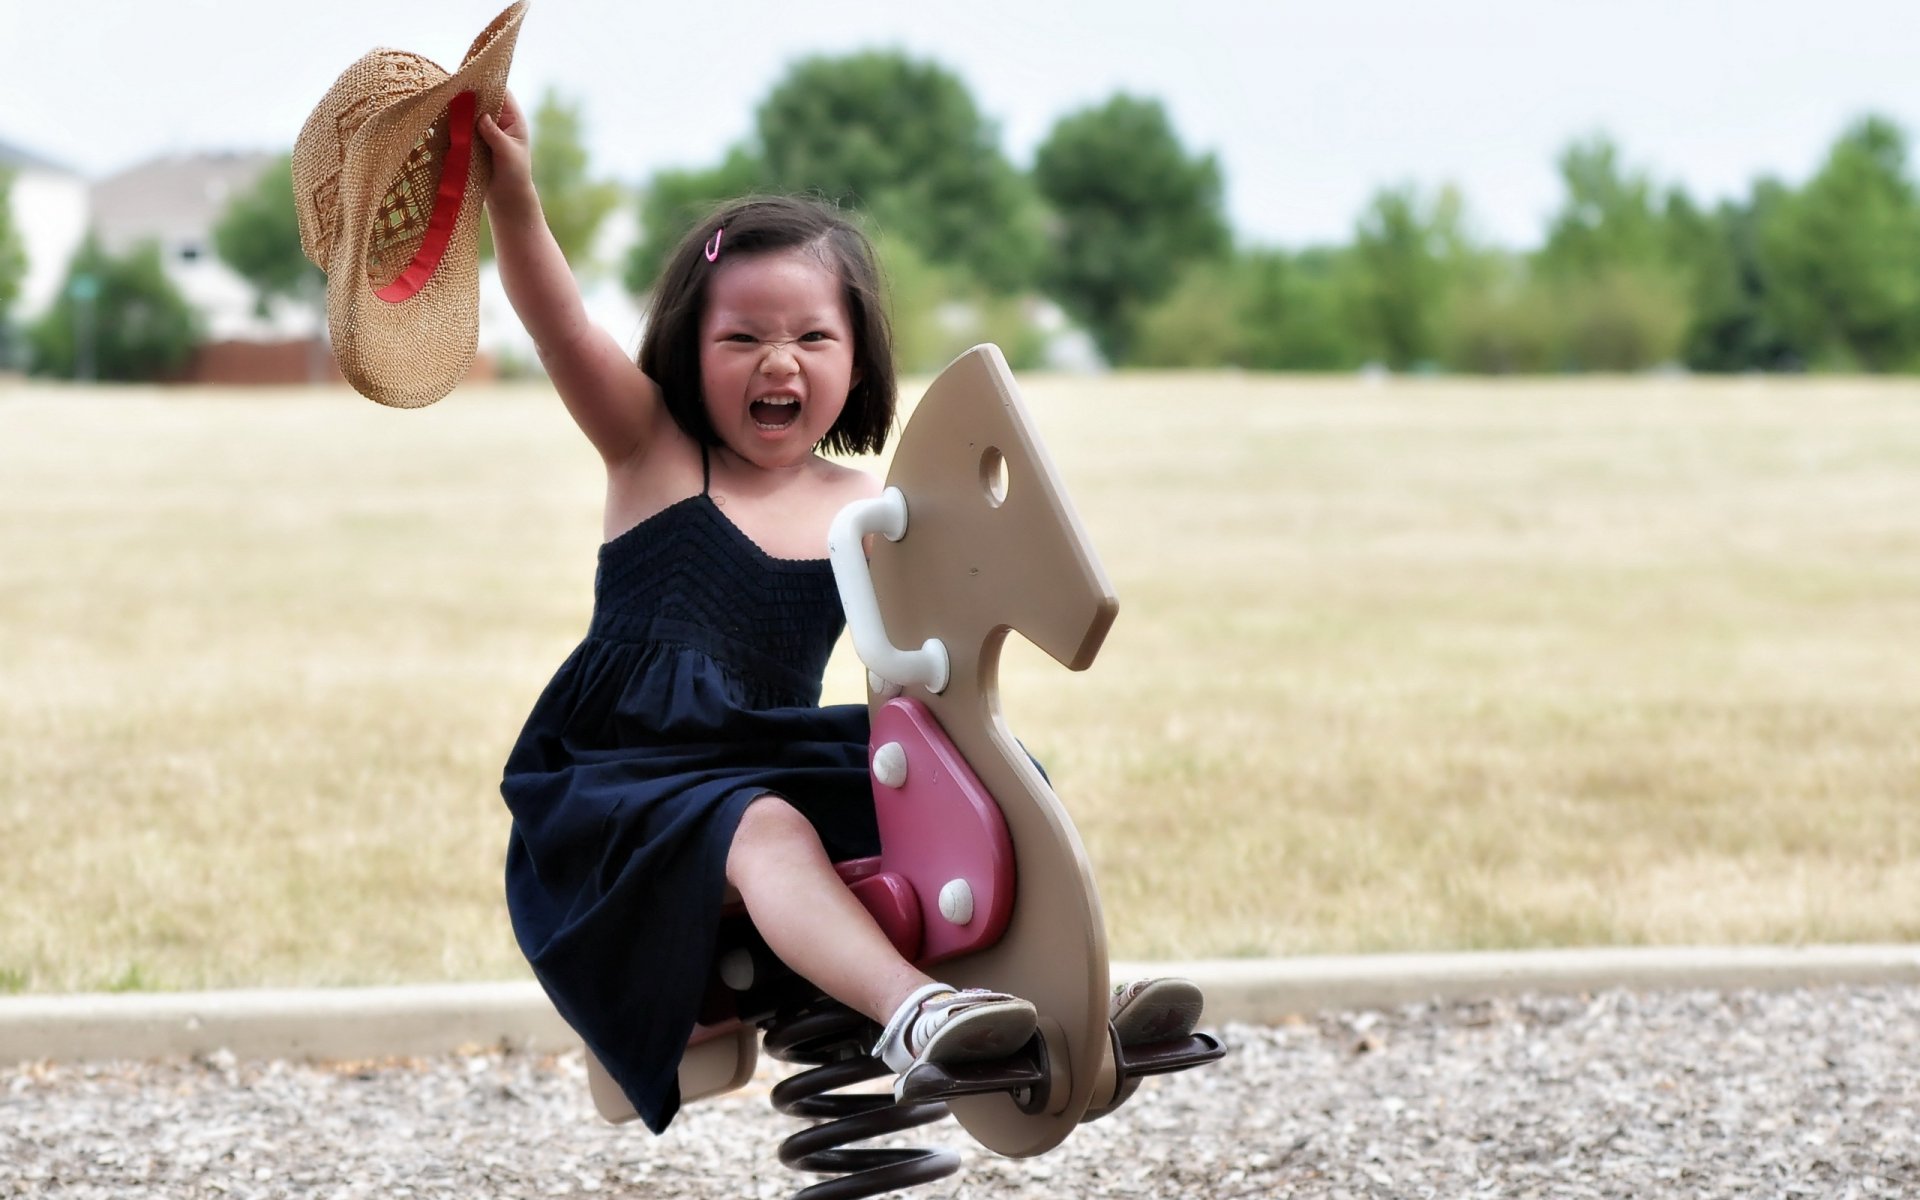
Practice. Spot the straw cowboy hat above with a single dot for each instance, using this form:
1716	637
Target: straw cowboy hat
388	180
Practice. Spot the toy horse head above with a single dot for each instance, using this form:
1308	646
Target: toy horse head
997	544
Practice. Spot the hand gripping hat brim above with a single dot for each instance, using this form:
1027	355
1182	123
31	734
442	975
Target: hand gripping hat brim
389	175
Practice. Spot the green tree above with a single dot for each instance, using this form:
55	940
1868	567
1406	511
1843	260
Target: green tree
1842	255
258	235
903	139
1197	324
1503	323
1609	266
1262	310
13	265
675	201
1133	211
1619	320
1411	255
117	318
938	311
575	203
1730	327
1297	308
1612	216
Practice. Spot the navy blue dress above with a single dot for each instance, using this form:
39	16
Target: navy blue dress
696	690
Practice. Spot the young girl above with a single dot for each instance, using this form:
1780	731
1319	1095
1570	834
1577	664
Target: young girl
682	746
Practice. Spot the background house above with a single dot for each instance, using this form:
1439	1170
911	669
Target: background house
49	204
176	201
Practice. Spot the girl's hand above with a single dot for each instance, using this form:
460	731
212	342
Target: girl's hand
507	136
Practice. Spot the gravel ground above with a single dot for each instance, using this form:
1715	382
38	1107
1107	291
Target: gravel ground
1808	1093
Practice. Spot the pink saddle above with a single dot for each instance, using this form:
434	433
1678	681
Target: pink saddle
941	886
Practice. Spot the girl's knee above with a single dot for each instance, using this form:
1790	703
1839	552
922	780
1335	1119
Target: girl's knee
770	828
770	816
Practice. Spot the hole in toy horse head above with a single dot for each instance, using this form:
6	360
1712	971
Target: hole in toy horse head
993	476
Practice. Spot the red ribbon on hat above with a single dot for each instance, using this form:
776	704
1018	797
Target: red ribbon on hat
446	204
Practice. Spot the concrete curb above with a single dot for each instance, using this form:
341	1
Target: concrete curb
381	1022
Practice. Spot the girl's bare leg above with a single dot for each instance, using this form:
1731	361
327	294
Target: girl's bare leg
801	907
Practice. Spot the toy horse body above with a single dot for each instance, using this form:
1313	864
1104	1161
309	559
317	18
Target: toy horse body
992	544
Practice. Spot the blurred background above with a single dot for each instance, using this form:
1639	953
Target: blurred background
1498	420
1496	187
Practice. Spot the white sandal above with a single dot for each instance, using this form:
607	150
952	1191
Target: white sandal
1144	1012
1155	1010
941	1024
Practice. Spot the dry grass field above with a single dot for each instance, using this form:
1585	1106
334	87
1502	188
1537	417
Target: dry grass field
1413	665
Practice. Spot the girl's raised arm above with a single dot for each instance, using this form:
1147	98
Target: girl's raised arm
611	399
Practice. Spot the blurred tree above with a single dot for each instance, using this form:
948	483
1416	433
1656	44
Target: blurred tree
903	139
1504	324
13	266
1133	212
1620	319
259	237
116	318
1411	256
1296	310
1718	252
575	204
1263	310
1611	216
938	311
1609	266
1842	255
13	255
1197	324
675	201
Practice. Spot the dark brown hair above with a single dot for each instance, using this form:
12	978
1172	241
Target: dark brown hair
670	351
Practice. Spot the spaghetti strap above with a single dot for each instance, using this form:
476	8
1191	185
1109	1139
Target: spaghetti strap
706	479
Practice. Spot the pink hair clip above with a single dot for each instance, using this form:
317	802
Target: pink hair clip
713	247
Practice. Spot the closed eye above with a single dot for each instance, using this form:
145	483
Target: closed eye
813	337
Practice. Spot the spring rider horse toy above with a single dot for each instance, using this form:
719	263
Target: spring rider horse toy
980	869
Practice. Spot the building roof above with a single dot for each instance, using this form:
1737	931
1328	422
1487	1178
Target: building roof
174	200
17	156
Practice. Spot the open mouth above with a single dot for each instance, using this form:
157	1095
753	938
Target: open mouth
776	412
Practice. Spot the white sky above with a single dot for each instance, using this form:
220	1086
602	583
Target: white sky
1310	106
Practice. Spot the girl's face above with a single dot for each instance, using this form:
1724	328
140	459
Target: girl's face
776	355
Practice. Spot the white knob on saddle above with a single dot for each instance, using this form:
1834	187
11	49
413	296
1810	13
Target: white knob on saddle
736	969
956	901
890	765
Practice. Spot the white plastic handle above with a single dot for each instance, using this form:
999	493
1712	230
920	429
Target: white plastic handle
885	515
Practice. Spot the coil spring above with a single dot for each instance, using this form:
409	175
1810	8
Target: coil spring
833	1039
